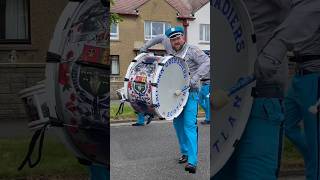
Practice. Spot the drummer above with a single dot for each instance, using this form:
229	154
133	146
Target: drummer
199	65
258	153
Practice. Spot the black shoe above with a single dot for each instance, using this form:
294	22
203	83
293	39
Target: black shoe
137	124
191	168
205	122
183	159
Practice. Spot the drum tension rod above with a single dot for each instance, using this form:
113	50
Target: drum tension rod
154	84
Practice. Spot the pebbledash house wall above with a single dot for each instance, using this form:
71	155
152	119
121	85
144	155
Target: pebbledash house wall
29	67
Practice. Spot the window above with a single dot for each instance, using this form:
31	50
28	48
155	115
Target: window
205	32
14	21
151	29
115	67
114	32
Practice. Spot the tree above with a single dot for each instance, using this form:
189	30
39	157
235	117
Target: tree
114	17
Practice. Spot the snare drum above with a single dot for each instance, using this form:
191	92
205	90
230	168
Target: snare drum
151	83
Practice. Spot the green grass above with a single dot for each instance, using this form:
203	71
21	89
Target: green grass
56	159
128	112
291	158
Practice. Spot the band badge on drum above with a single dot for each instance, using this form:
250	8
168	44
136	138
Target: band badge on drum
140	84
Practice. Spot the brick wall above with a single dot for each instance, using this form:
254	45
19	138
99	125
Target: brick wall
14	78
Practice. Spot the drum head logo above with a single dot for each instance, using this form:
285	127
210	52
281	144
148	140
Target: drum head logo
140	84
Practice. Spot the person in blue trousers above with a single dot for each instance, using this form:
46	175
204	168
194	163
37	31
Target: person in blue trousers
204	99
140	120
303	93
199	65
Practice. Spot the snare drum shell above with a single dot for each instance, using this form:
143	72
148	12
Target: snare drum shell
151	82
78	84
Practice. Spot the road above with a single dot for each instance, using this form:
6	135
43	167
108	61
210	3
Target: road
151	152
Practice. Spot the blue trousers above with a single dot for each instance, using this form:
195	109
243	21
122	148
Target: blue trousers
204	100
186	129
140	118
303	93
257	156
98	172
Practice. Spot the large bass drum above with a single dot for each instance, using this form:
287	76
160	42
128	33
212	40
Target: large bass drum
233	56
77	80
157	85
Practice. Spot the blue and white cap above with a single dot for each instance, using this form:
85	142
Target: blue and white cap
174	32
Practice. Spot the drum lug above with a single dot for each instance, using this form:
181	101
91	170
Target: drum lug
55	122
53	57
161	64
154	84
155	105
236	143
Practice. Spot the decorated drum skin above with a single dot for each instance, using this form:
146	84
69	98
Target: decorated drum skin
77	80
151	84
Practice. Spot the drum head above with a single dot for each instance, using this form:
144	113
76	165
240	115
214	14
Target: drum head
172	76
79	83
233	57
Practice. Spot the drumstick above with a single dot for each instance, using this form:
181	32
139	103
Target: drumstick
221	98
314	109
180	91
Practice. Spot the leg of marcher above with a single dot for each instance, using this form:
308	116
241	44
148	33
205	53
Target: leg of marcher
178	124
190	127
98	172
293	119
259	149
308	97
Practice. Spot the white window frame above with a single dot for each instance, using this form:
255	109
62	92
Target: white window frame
151	22
111	59
15	29
203	40
115	36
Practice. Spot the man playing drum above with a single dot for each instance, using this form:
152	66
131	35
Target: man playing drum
199	65
257	157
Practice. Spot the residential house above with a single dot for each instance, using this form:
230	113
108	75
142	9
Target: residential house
199	28
26	27
142	20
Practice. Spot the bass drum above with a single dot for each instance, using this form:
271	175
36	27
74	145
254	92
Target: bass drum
234	53
157	85
77	80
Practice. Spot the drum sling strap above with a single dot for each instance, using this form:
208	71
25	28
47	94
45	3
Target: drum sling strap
38	134
120	109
